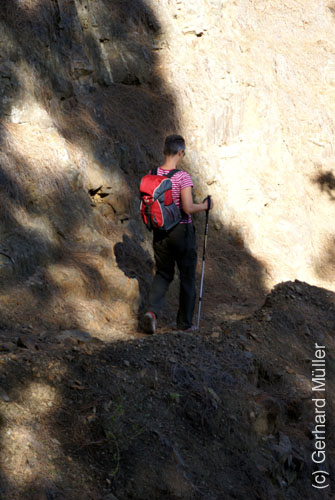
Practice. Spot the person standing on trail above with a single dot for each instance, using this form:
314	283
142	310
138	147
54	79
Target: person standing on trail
178	245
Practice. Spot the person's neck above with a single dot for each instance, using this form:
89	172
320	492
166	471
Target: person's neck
170	163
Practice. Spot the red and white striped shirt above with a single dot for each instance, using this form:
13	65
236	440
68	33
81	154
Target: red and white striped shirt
180	180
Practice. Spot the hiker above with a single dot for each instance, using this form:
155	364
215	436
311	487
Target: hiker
177	245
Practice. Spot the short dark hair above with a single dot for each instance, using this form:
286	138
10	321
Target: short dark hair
173	144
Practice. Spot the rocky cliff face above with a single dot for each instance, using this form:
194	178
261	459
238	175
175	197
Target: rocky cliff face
83	111
255	83
88	91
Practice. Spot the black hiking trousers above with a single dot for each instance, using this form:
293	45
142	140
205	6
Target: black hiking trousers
175	246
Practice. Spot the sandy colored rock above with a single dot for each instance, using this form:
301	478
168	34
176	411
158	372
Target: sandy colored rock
255	96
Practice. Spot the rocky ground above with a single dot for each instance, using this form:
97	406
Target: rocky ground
226	413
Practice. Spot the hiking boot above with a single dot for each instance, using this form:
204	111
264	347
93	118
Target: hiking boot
149	323
191	329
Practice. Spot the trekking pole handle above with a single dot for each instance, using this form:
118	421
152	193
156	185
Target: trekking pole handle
209	203
208	209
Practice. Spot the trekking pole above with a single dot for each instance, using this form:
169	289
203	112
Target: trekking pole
203	261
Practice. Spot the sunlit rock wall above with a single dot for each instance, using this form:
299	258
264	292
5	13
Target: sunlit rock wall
254	83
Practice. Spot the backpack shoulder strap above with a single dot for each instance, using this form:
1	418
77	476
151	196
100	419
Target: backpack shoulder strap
170	174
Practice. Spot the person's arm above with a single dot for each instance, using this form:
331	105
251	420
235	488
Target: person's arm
187	201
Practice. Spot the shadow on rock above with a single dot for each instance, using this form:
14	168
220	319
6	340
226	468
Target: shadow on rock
136	263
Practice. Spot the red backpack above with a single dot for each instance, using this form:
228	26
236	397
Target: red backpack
157	207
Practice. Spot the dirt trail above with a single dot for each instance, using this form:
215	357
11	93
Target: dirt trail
223	414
